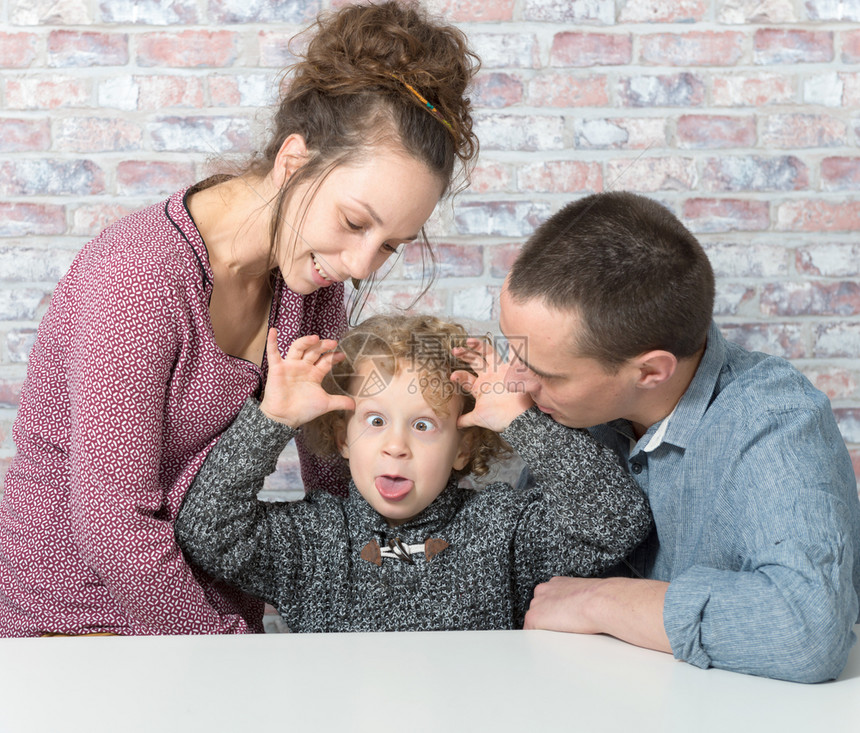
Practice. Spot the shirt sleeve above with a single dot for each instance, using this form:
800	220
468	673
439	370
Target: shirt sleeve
781	600
589	514
259	547
122	345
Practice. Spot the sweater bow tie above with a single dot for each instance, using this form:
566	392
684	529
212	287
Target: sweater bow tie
398	549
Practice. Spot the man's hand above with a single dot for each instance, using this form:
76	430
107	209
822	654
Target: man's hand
627	608
495	407
294	393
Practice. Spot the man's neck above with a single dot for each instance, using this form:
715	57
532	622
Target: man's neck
658	405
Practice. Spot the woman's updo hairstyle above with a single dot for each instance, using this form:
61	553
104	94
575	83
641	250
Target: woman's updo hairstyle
350	91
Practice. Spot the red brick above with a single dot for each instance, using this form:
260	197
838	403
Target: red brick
834	259
840	174
191	48
836	340
779	339
750	259
851	47
731	298
565	11
51	177
520	132
716	131
725	215
385	298
755	173
497	90
565	90
807	298
23	219
241	11
752	91
506	50
96	134
660	11
632	133
453	260
87	48
246	90
490	177
10	393
792	46
646	174
501	258
803	131
90	219
848	421
850	90
738	12
20	135
48	93
465	11
274	49
151	12
17	50
134	177
818	216
696	48
500	218
833	10
200	134
673	90
163	92
837	383
560	176
590	49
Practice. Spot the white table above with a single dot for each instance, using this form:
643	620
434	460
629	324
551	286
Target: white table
404	683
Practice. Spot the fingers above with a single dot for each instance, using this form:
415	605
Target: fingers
311	349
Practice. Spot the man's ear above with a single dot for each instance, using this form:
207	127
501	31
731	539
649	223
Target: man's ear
464	452
292	156
655	368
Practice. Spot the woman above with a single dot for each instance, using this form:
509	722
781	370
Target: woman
157	334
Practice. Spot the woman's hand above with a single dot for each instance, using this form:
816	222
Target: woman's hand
294	393
495	406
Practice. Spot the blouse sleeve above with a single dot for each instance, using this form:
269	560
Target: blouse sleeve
122	346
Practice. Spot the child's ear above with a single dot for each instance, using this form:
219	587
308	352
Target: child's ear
464	452
340	439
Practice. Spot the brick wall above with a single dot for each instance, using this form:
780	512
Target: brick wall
743	116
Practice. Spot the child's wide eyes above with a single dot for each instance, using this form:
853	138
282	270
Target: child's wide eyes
423	425
375	421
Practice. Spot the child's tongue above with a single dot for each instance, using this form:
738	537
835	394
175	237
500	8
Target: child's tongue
393	487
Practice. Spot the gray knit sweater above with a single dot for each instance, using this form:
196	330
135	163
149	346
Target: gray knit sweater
306	557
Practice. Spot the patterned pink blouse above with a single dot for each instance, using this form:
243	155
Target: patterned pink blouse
126	393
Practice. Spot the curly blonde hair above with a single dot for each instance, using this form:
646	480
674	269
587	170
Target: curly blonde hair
394	342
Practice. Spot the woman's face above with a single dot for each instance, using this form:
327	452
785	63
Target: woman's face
356	219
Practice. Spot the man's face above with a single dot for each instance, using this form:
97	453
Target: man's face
575	391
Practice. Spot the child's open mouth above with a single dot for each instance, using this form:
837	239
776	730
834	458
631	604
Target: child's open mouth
393	488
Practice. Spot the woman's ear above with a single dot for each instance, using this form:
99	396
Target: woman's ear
292	156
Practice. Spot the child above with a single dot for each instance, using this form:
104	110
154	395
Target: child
408	549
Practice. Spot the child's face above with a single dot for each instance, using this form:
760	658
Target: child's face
400	452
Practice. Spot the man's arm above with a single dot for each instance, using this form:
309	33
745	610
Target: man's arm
627	608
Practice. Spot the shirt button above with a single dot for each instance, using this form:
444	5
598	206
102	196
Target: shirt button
636	468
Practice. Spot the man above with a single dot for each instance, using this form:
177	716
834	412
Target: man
754	564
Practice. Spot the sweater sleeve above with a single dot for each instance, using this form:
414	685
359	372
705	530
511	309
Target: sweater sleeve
224	529
589	513
122	347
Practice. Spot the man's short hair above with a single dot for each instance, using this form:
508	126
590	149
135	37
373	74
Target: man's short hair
634	275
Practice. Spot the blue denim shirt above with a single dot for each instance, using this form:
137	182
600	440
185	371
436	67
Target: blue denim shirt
757	520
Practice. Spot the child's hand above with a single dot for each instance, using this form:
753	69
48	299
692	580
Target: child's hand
495	406
294	394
